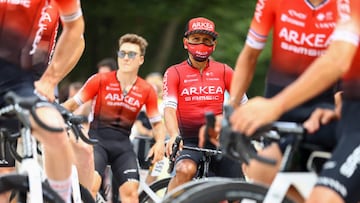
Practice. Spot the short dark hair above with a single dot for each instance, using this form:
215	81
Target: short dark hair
109	62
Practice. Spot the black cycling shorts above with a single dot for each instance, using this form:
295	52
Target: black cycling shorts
115	149
12	78
220	166
341	173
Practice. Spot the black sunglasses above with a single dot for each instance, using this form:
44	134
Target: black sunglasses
130	54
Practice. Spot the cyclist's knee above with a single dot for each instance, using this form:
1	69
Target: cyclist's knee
96	184
84	152
324	194
186	168
129	192
52	118
261	172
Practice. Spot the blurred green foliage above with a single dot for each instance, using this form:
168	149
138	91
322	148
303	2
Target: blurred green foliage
162	23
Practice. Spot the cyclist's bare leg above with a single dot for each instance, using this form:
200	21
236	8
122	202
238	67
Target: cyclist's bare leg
96	184
84	161
265	173
324	194
261	172
129	192
58	155
185	171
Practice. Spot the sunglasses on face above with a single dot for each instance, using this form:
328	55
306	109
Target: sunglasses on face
130	54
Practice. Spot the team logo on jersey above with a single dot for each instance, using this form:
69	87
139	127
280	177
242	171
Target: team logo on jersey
297	14
202	93
259	10
43	22
25	3
344	10
310	44
117	99
293	21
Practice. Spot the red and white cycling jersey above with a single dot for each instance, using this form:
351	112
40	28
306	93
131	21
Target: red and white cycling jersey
301	32
28	29
114	109
193	93
46	46
349	31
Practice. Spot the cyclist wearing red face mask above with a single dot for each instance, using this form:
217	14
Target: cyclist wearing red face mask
192	88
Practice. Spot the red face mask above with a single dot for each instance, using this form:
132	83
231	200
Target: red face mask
200	52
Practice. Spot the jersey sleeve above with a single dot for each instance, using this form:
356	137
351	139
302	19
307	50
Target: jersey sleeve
261	24
70	10
151	105
348	27
228	73
170	88
89	90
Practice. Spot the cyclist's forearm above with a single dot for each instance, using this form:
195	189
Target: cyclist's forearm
159	132
243	74
171	121
70	105
68	50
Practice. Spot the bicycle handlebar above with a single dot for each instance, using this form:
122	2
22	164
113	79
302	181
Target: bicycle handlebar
175	149
74	123
210	152
18	104
239	147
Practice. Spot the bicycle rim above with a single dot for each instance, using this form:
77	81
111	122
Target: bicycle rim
159	187
176	192
216	192
19	183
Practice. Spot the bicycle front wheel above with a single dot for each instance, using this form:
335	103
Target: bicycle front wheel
159	187
176	192
216	192
19	184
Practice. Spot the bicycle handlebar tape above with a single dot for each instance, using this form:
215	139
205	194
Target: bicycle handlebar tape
175	149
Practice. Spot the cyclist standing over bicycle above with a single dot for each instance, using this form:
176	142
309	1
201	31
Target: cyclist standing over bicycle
340	177
191	89
118	97
26	45
293	49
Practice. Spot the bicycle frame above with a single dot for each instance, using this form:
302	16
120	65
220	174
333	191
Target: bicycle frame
302	181
29	164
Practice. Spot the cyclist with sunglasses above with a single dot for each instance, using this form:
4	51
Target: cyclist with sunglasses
118	97
191	89
339	179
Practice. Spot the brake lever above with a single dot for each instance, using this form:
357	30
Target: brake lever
175	149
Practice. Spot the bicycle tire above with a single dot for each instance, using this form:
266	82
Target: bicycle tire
170	196
231	191
156	187
19	183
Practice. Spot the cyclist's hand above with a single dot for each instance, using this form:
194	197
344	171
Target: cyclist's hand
319	117
212	133
257	112
169	146
157	151
45	90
